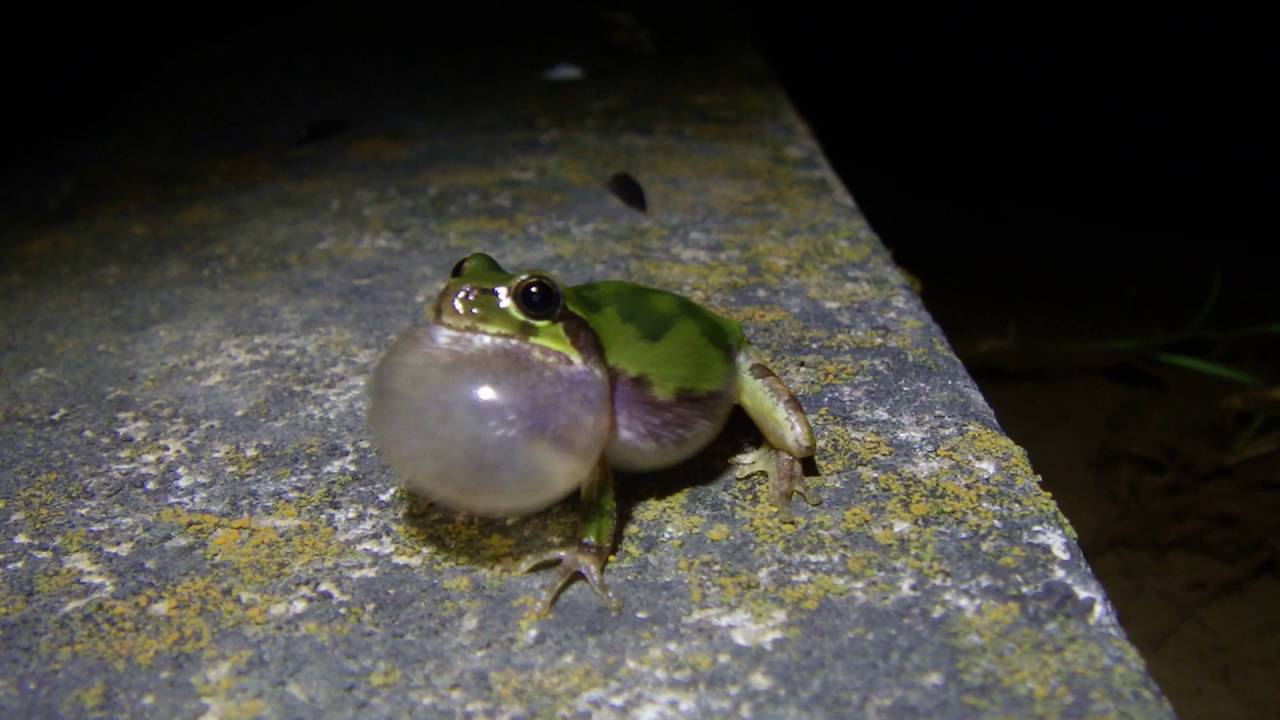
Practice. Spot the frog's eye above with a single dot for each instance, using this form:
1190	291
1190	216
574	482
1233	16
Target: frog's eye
457	268
537	297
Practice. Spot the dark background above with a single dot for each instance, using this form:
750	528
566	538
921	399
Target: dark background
1094	148
1114	142
1051	179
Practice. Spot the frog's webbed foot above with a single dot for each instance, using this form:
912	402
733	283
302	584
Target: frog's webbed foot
583	559
785	473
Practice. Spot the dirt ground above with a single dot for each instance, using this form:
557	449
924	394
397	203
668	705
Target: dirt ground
1179	519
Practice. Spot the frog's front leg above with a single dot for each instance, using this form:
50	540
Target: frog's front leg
599	520
788	439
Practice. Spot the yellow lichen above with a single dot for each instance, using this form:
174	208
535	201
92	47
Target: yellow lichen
241	461
1011	657
808	593
859	564
531	614
384	677
247	555
522	689
90	698
856	518
700	661
458	583
43	501
840	447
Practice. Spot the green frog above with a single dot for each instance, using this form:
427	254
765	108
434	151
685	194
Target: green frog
520	390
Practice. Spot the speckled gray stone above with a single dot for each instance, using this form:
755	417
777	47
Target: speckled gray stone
194	520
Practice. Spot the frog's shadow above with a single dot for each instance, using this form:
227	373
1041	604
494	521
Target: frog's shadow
498	542
503	542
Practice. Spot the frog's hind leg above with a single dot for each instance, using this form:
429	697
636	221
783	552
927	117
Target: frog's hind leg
598	524
788	436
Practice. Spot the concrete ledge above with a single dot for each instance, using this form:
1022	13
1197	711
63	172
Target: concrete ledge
192	518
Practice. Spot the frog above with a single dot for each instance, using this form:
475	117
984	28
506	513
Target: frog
520	390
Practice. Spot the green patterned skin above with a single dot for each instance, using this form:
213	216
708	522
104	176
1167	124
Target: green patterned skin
670	341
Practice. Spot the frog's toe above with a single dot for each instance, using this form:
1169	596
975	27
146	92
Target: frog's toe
750	462
785	473
581	559
800	486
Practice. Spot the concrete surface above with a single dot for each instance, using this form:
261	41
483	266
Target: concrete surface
193	521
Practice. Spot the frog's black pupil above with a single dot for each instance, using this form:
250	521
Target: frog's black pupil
538	298
457	268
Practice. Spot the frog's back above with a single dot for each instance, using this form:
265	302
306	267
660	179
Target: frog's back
676	345
673	365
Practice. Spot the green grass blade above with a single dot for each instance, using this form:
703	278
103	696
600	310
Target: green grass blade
1206	367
